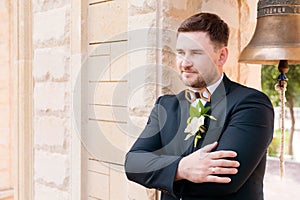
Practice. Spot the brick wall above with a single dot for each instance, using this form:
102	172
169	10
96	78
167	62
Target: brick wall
51	72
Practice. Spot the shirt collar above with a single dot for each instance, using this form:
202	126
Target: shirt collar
214	86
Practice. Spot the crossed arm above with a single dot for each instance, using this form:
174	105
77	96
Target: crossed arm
231	161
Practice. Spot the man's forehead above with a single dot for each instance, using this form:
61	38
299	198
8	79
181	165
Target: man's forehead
190	41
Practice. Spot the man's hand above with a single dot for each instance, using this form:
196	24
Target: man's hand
205	166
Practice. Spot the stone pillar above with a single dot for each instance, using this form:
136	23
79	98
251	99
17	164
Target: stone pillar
52	101
6	104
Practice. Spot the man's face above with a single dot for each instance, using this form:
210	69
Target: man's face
198	62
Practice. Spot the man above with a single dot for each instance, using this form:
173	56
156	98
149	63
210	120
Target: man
227	161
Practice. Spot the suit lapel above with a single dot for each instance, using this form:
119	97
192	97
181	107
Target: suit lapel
185	146
178	122
218	110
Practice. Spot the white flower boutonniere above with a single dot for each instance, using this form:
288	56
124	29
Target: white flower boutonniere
195	122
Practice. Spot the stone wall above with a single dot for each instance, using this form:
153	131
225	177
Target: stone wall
150	36
52	101
6	105
134	40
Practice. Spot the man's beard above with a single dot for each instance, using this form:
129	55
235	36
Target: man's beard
198	83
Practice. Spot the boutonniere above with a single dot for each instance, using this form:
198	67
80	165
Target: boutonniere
195	123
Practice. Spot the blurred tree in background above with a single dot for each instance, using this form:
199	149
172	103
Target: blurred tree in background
269	75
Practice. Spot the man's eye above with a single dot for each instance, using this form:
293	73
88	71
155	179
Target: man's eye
180	53
198	52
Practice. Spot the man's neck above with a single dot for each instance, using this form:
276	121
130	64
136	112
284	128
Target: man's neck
211	88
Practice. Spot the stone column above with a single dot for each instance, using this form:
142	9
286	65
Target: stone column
52	99
7	107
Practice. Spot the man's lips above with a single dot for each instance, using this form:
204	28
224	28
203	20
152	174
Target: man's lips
188	72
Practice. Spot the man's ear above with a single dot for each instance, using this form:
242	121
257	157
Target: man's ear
223	56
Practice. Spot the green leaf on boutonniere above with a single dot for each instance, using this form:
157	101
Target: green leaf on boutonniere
205	110
209	116
194	112
197	137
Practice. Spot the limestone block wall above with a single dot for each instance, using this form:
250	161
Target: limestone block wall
130	62
51	72
108	82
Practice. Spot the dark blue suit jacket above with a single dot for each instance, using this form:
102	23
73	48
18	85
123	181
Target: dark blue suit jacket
245	120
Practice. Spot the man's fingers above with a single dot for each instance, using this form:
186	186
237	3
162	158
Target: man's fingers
223	154
225	163
217	179
222	170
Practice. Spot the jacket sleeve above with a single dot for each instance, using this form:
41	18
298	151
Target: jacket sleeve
248	130
146	163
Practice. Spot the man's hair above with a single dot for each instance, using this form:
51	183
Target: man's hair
212	24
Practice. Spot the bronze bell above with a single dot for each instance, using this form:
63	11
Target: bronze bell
277	33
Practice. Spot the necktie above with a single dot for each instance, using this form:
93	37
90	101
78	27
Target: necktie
191	96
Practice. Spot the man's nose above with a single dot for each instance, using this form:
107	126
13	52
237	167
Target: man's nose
186	63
